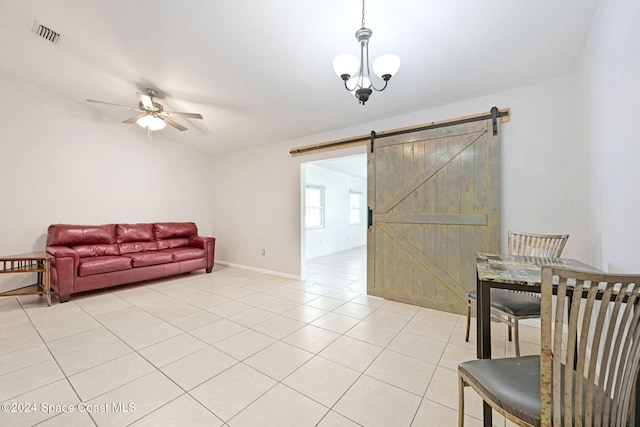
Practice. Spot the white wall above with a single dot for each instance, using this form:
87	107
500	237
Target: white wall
261	194
63	161
569	164
257	204
608	82
337	235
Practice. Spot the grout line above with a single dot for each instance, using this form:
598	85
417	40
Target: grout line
250	283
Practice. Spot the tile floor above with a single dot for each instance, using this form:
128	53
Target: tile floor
237	348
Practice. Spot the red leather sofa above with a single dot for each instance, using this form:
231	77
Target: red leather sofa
87	257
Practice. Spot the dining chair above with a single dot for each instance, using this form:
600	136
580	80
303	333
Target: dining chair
588	363
511	306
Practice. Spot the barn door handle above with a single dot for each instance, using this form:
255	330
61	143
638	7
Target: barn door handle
494	119
370	217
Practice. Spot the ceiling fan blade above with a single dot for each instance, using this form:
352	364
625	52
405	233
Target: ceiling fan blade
146	101
114	105
178	114
134	118
174	124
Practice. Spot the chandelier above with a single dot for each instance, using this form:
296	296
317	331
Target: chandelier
356	72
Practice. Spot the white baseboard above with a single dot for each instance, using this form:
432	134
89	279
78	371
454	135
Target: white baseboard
259	270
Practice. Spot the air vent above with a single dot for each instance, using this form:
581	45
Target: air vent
45	32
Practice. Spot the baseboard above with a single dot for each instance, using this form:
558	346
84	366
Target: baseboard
259	270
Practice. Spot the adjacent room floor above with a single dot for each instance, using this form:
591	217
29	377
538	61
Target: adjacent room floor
237	348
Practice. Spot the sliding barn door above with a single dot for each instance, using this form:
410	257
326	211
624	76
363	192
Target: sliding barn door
435	201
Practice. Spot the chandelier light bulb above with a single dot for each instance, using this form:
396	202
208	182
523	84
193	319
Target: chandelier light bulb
356	83
346	64
386	66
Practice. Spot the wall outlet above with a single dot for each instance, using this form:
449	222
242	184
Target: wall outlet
264	252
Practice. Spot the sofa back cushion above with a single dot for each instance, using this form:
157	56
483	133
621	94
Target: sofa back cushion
173	243
72	235
134	233
131	247
171	230
100	249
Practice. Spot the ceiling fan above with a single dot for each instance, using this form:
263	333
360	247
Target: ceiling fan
152	115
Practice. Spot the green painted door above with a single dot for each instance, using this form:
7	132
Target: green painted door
435	197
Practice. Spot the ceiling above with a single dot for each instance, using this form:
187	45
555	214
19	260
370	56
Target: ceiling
350	165
260	71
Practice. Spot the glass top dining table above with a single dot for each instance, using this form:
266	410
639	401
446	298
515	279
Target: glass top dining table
520	273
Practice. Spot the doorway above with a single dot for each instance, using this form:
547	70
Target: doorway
334	222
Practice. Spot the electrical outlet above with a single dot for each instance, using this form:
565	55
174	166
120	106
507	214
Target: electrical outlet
264	252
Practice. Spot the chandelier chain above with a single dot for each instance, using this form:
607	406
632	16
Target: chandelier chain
363	14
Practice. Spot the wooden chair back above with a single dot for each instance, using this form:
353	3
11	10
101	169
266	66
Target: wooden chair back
538	245
602	344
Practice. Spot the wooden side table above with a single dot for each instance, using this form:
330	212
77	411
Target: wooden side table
34	262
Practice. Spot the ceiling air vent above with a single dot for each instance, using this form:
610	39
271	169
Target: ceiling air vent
45	32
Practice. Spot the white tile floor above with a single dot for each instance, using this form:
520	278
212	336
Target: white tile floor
237	348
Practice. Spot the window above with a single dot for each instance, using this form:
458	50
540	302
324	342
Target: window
314	216
355	208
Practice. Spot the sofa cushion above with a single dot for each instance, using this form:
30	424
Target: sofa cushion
170	230
103	264
142	259
134	233
131	247
173	243
100	249
71	235
183	254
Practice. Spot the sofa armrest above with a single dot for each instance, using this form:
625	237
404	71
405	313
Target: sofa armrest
209	246
62	252
64	266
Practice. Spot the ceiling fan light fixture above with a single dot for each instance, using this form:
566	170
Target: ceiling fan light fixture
151	122
156	124
143	121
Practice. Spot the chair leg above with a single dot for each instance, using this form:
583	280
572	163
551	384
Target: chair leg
466	337
516	337
460	401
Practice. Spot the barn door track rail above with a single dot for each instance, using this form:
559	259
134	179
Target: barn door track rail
494	114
